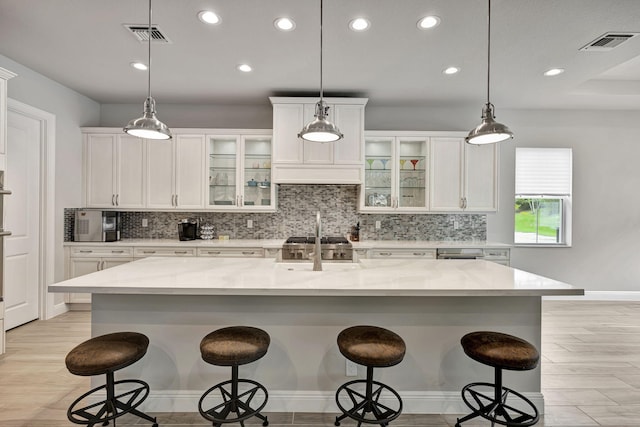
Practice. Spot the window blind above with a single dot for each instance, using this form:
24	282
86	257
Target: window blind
543	171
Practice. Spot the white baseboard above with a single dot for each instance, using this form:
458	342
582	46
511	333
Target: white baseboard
600	296
414	402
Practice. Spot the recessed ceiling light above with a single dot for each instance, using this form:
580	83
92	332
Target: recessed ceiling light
139	66
245	68
428	22
284	24
359	24
451	70
553	72
208	17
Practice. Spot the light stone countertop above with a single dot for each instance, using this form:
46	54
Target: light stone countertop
266	277
277	243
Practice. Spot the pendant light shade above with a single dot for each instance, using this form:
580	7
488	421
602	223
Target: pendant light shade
148	126
320	129
489	131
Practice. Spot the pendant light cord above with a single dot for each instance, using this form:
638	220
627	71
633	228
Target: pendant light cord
149	68
488	50
321	91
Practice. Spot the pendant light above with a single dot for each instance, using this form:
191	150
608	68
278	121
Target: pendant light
489	131
320	129
148	126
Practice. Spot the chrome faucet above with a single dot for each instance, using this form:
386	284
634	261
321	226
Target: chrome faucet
317	252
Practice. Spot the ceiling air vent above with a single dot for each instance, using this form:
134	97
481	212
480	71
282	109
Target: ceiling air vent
141	33
608	41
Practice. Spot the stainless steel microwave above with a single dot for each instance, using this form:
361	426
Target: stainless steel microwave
96	226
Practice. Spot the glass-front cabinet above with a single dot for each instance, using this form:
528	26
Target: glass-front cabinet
396	173
240	172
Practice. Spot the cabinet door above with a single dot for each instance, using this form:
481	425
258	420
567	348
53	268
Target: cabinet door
100	170
350	121
447	172
160	172
287	123
130	172
379	191
190	171
80	267
413	173
481	177
318	153
108	263
223	171
255	178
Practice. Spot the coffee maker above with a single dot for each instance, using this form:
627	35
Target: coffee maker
188	229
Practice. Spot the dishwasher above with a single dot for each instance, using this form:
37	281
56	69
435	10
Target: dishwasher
460	253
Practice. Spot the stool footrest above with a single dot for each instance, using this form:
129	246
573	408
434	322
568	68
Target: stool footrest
481	399
112	407
222	403
367	408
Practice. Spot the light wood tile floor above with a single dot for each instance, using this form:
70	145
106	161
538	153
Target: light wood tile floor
590	373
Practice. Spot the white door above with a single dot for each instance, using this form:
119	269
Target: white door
22	209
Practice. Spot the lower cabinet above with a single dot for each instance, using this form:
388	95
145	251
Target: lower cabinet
83	260
403	253
145	252
232	252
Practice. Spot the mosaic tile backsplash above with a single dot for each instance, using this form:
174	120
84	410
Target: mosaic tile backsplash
297	207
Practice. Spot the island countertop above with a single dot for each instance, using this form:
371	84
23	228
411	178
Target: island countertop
265	277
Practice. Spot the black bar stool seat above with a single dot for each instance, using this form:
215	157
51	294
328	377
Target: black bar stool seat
490	401
234	346
106	354
373	347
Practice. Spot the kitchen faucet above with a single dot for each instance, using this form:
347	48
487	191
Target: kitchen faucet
317	252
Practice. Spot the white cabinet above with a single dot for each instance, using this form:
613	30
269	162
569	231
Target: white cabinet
176	173
239	170
83	260
239	252
396	174
5	75
296	161
418	253
114	176
151	251
464	177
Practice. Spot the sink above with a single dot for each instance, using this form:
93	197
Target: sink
326	266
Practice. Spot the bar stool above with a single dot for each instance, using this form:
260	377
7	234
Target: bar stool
234	346
372	347
106	354
502	351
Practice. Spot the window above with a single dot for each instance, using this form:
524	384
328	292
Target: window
543	196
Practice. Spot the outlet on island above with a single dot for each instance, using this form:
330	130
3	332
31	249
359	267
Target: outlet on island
249	223
145	222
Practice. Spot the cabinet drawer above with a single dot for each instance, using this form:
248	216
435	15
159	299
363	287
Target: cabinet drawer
496	253
403	253
101	251
143	252
232	252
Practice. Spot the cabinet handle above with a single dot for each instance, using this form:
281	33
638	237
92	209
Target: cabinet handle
148	252
385	253
98	266
113	198
180	252
117	252
213	252
173	200
419	253
464	202
117	200
248	252
102	266
176	200
85	251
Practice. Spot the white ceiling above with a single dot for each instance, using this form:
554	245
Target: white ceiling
83	45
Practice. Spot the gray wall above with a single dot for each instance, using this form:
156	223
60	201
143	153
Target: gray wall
72	111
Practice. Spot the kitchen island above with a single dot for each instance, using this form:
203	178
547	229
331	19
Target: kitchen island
430	303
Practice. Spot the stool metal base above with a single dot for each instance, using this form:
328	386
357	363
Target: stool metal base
366	406
113	406
490	402
227	402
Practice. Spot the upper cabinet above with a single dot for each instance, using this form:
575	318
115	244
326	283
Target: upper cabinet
5	75
296	161
240	172
396	174
464	176
176	172
114	173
